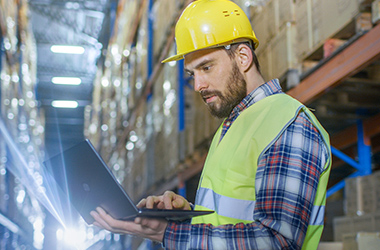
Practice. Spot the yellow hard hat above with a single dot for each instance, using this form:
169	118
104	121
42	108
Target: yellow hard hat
210	23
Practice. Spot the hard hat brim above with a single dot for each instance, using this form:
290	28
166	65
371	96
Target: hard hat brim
182	55
173	58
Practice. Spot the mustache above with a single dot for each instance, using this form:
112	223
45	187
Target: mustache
207	93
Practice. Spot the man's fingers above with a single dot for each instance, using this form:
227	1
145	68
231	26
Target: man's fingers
99	219
178	203
106	221
168	197
142	203
172	200
149	228
169	200
153	201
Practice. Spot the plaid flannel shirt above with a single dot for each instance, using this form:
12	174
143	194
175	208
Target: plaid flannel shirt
286	183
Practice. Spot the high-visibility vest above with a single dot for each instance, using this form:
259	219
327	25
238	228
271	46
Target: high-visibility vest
227	183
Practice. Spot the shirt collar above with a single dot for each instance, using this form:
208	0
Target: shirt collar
269	88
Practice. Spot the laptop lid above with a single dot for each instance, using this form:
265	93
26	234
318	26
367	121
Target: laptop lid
82	174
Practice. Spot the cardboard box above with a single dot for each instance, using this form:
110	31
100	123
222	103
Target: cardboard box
317	22
165	13
264	22
368	241
342	225
265	61
362	194
330	246
285	12
361	241
363	22
376	11
284	50
354	224
303	28
335	15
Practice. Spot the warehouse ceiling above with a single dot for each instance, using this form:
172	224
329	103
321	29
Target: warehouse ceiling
85	23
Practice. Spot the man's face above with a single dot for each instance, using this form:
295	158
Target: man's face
218	79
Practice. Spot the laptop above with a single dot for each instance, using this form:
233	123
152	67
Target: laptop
82	174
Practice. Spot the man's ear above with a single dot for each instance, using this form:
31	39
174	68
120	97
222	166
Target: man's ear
244	57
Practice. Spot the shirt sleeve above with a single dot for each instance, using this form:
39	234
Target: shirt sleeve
286	183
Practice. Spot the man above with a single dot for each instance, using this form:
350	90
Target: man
268	165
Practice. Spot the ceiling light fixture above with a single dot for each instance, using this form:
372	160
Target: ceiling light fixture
67	49
66	80
64	104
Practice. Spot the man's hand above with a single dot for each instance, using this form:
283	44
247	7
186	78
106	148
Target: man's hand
152	229
169	200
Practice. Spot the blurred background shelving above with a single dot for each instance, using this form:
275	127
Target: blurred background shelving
149	125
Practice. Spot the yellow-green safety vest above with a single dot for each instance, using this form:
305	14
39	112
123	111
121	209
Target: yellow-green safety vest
227	185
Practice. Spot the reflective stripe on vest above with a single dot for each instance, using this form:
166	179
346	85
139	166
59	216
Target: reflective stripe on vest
225	206
317	216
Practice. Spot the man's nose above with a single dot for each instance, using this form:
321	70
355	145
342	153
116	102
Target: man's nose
199	83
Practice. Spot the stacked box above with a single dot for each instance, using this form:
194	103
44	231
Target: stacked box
375	190
376	221
362	194
317	23
189	140
375	11
354	224
165	13
368	241
283	48
349	242
117	88
165	122
142	54
342	225
265	59
361	241
335	15
264	22
308	26
318	20
364	223
8	15
355	189
362	206
24	123
286	11
274	27
303	28
127	14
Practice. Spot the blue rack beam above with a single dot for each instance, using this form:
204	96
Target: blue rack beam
363	167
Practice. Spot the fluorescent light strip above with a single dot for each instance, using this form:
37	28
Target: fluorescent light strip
9	224
66	80
64	104
66	49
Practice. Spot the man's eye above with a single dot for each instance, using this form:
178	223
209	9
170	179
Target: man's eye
206	68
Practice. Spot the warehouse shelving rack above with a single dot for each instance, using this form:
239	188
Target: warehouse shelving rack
361	52
15	233
354	58
354	144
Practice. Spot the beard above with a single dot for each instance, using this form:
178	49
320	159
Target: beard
235	92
